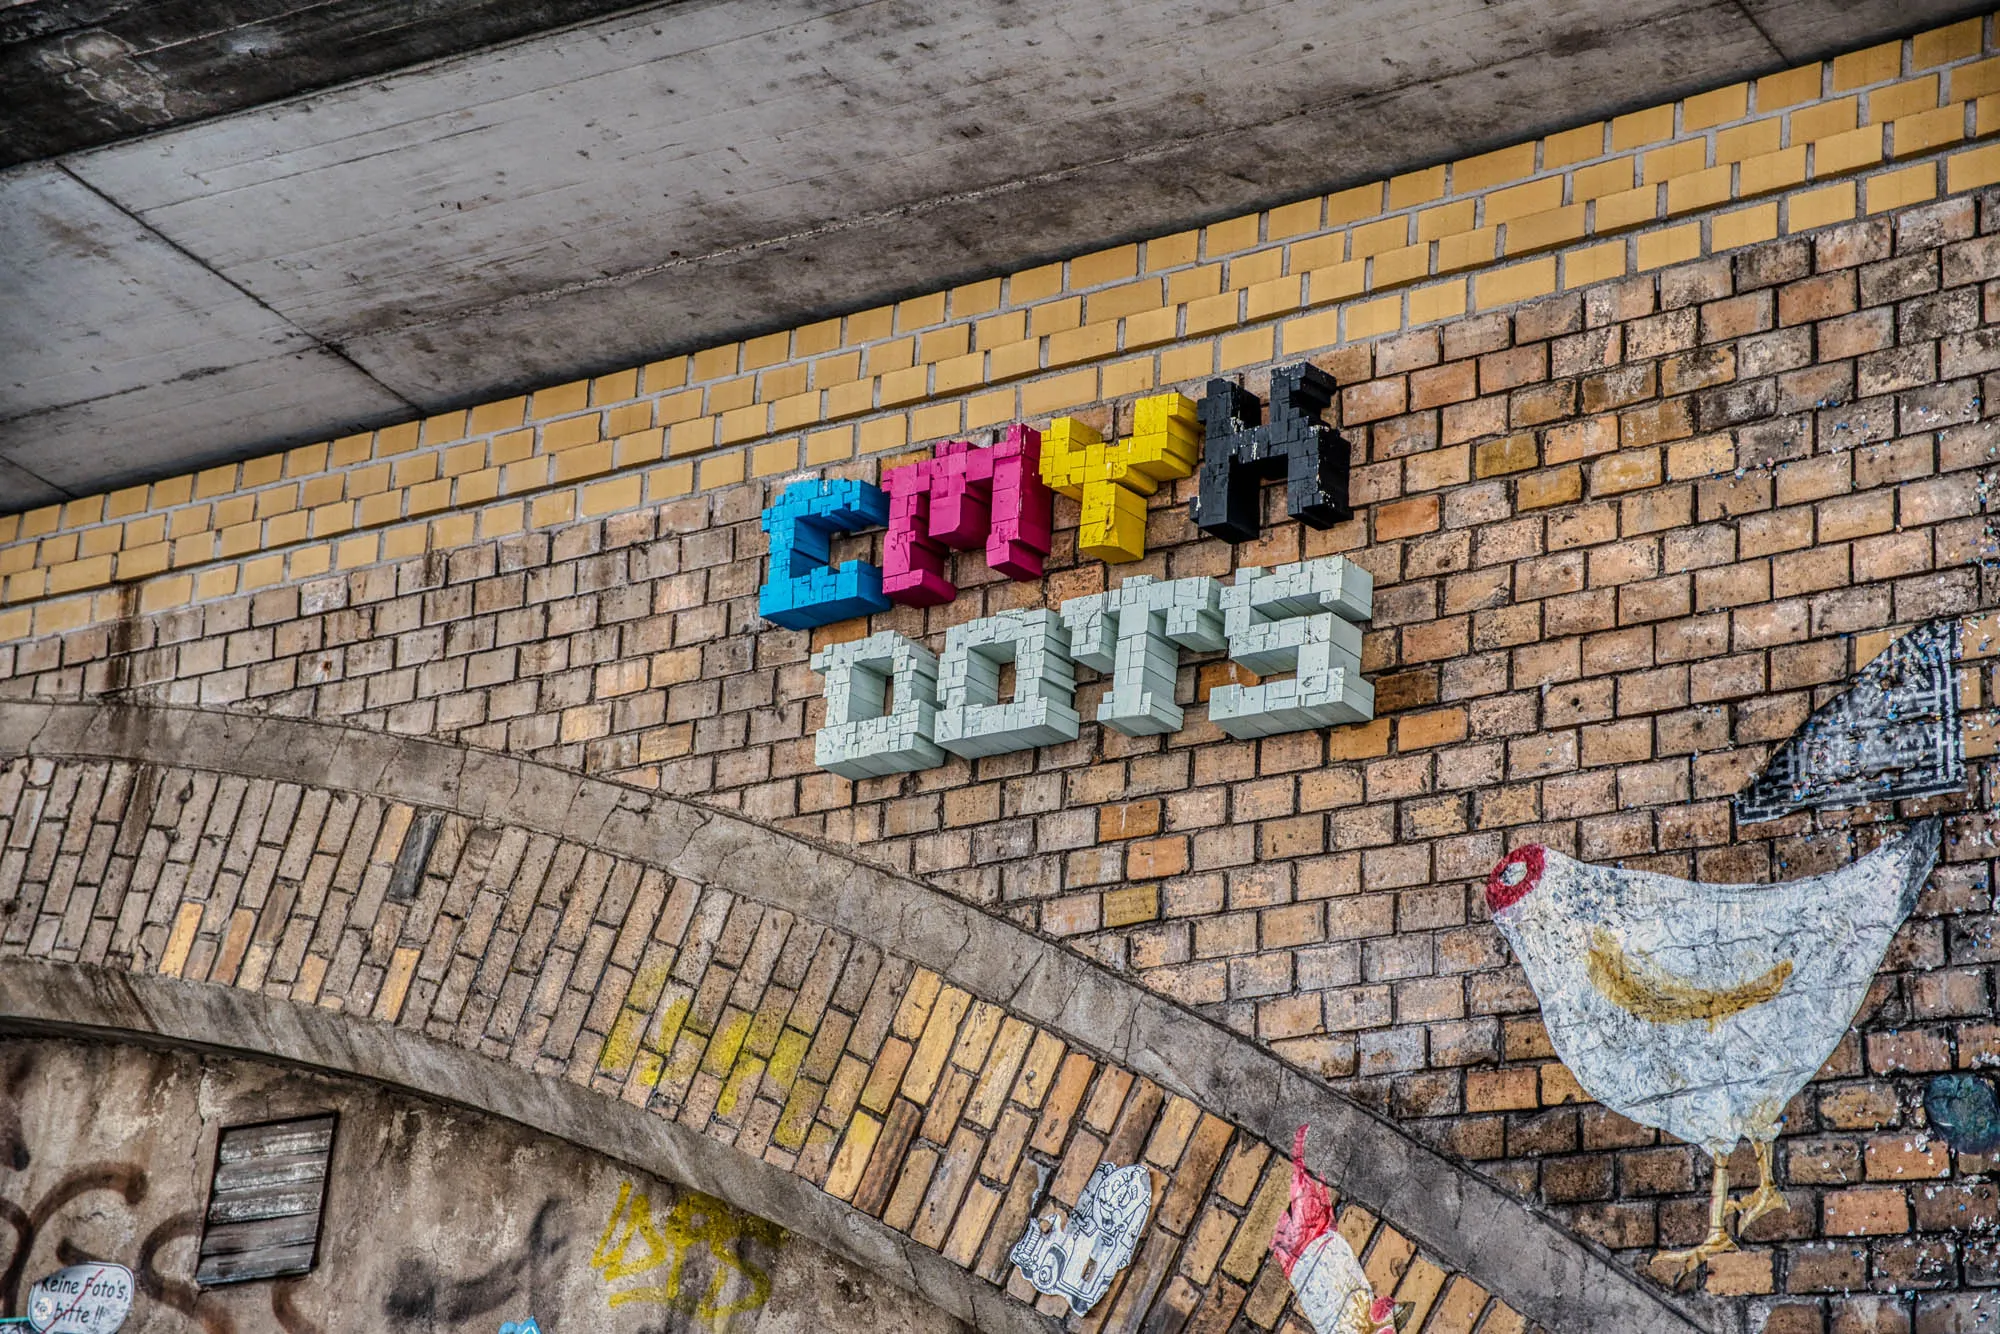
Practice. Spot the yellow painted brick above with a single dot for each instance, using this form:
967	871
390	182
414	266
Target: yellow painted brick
1256	267
1523	200
966	301
877	435
1187	285
215	481
27	585
1577	145
240	539
1823	120
1744	141
936	345
1312	332
829	446
233	510
1518	282
53	618
1293	219
989	409
1104	266
1230	236
1316	252
475	487
506	415
1715	108
1943	44
1466	249
1604	178
1363	201
1191	361
80	574
1336	282
1171	252
1445	219
560	400
142	562
1845	152
398	439
62	547
769	459
1212	313
285	529
630	417
1117	302
1674	245
311	562
1969	82
1491	169
739	392
1246	348
897	388
1538	231
624	493
1642	127
1927	130
1746	226
1593	264
768	350
1439	301
119	504
1898	189
1771	171
1986	115
90	509
1031	285
1817	208
1903	99
1702	189
1376	237
587	461
619	386
350	449
1087	343
512	447
1400	266
1370	318
1121	379
383	507
501	520
354	552
194	549
1152	327
1628	209
936	421
158	595
920	312
1980	166
1043	397
715	362
639	447
101	540
1416	187
852	1160
1876	64
1675	160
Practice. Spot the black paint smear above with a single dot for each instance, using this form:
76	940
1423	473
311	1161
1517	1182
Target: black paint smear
125	1178
421	1293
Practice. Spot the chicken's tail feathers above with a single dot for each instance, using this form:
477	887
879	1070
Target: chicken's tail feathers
1924	838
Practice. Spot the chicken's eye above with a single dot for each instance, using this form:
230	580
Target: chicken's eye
1514	874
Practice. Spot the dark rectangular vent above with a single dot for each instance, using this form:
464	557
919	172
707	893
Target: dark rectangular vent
265	1202
418	841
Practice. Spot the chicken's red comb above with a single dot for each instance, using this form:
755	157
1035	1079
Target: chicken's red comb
1310	1214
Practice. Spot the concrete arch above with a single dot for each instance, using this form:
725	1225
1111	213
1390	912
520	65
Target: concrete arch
1507	1247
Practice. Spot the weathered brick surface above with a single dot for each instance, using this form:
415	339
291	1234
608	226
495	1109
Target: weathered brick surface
1623	540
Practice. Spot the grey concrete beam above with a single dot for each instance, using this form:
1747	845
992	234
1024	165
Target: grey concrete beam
1517	1249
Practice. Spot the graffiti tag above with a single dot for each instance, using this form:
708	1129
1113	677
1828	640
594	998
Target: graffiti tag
668	1248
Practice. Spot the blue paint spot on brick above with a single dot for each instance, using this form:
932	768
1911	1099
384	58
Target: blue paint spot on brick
1964	1110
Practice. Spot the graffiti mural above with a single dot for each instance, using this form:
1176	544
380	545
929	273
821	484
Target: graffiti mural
1333	1290
1079	1258
1702	1009
1892	734
698	1257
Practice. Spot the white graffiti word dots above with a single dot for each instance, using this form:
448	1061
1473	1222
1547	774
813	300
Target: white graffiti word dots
1136	632
881	707
891	707
971	720
1301	619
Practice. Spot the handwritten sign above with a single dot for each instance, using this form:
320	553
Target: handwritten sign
82	1299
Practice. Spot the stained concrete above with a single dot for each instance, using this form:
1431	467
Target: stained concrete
675	176
436	1219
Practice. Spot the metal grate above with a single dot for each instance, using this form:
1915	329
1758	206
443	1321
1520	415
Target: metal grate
265	1203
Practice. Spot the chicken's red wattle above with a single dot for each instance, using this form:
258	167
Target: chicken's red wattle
1518	873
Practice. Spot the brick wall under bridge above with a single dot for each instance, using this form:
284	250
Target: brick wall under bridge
1629	516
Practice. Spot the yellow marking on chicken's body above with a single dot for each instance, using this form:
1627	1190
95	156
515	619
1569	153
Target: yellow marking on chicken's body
1639	986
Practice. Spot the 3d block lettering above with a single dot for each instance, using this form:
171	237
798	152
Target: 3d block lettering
881	707
1111	479
1296	618
1136	632
971	719
960	498
804	589
1239	454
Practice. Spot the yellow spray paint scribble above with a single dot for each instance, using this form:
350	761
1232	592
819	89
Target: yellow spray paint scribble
1638	986
694	1221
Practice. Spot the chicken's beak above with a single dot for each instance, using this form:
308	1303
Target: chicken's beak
1517	874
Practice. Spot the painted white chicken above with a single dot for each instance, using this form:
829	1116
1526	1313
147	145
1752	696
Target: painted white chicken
1699	1009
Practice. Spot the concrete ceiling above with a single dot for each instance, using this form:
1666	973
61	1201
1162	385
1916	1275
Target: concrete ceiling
235	225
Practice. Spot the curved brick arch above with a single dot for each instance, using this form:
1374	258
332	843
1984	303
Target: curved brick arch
893	1052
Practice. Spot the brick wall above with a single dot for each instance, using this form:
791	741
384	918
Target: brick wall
1624	535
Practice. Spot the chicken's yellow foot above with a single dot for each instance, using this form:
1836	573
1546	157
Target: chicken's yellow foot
1766	1198
1679	1264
